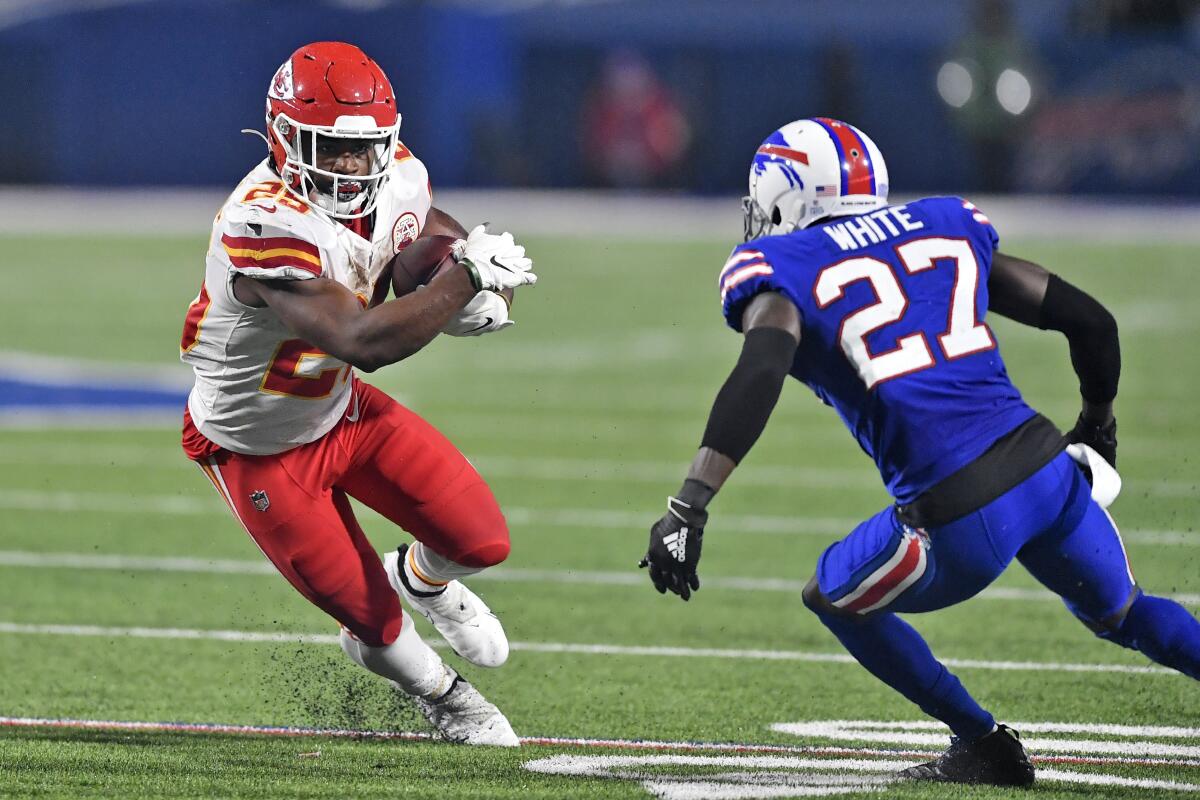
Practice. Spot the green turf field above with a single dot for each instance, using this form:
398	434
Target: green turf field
119	565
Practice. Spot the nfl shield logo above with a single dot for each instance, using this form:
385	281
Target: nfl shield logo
260	500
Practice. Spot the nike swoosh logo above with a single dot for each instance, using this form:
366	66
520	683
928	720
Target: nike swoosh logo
353	417
481	327
496	263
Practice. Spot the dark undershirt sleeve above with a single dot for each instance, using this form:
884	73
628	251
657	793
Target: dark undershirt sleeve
750	393
1091	332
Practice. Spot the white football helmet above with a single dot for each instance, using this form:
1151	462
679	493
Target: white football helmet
810	169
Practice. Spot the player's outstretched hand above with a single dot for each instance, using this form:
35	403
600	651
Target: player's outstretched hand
674	550
495	261
1101	438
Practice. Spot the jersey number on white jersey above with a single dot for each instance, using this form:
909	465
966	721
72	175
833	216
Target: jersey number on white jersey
299	370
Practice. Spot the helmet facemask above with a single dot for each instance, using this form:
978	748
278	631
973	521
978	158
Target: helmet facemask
336	194
756	222
775	204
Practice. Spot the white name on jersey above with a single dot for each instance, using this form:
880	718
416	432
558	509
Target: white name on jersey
868	229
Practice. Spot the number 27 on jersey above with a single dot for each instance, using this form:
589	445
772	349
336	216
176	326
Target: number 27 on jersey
964	333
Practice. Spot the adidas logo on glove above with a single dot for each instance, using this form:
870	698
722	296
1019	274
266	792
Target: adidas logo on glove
676	544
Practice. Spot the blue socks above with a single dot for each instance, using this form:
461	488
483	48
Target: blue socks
1164	631
894	652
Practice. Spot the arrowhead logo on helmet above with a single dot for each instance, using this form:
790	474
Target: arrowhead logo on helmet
281	86
809	170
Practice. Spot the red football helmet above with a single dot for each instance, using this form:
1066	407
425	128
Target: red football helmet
331	90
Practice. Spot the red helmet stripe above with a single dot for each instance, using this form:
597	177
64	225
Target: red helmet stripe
856	164
783	152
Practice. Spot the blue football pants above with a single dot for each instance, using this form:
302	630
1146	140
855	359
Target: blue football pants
1051	525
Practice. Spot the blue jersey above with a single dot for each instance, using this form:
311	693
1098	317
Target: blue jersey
893	334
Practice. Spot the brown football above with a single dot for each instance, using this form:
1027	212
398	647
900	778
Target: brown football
417	264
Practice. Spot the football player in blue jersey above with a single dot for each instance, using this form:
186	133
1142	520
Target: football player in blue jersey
880	311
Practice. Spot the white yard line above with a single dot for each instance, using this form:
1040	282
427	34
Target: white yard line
929	734
87	418
569	648
338	733
750	770
1095	779
507	466
42	560
170	633
843	730
549	469
827	527
777	776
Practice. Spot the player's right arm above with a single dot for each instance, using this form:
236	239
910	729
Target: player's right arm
771	323
331	317
1027	293
326	314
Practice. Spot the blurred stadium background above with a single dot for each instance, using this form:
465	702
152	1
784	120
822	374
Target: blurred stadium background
613	137
1029	96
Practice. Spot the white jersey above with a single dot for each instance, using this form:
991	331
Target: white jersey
260	390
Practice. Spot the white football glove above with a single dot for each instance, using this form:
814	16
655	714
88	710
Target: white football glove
1106	483
487	312
495	261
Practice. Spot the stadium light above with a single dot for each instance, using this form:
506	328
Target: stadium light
955	84
1013	91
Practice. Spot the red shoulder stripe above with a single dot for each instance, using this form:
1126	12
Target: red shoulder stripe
270	243
247	252
276	261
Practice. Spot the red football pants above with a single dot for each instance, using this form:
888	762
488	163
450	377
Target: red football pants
294	505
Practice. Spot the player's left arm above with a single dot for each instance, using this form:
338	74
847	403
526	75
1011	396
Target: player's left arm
1027	293
739	414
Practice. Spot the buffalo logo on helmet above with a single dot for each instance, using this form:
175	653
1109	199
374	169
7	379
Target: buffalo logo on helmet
282	87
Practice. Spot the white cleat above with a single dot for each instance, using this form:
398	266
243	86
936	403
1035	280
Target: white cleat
463	620
464	716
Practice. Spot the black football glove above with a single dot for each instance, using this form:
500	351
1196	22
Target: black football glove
1101	438
674	549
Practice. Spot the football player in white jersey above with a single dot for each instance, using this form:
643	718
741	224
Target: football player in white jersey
292	301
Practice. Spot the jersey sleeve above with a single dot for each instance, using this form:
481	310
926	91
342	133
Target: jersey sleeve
269	245
980	226
410	173
747	273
